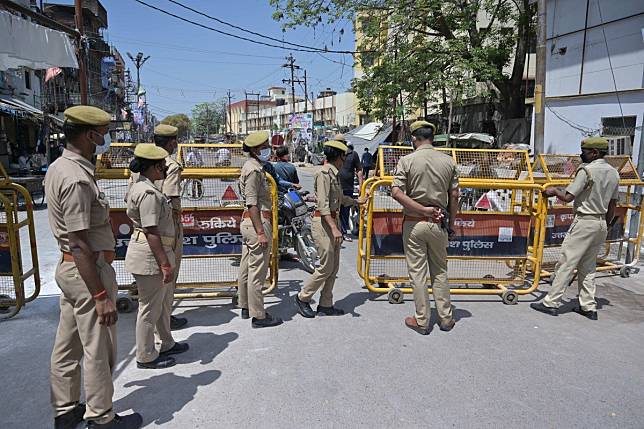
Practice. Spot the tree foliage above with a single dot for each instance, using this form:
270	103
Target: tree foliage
209	117
428	50
181	121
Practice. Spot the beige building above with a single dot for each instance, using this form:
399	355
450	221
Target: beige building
272	111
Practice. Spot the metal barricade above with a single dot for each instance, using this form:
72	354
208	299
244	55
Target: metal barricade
493	248
622	249
19	271
211	215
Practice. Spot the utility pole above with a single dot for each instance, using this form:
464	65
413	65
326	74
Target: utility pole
291	64
207	123
138	63
82	70
540	80
306	97
230	120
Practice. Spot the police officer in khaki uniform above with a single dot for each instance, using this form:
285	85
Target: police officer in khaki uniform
79	220
426	185
150	257
595	191
326	233
256	231
165	136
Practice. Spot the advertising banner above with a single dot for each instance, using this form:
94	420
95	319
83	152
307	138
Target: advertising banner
476	235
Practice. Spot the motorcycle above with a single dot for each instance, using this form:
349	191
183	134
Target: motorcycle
294	228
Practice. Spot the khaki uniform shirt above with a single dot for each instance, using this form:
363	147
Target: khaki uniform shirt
170	186
426	176
329	192
147	207
592	194
75	203
254	187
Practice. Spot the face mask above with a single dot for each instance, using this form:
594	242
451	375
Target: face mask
264	154
101	149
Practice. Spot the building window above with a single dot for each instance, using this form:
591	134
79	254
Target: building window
27	79
620	132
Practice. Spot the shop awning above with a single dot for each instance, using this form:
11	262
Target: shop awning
26	44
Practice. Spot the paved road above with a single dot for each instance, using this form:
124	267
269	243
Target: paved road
501	367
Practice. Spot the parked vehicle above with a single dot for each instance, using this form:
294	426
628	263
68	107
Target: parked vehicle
294	228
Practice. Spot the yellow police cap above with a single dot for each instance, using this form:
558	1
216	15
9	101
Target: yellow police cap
594	143
87	115
340	138
257	138
337	144
421	124
149	151
164	130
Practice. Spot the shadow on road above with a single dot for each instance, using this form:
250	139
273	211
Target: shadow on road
352	301
285	291
166	393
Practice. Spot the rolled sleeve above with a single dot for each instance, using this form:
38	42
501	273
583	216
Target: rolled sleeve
149	210
578	185
77	203
400	176
322	191
172	183
251	190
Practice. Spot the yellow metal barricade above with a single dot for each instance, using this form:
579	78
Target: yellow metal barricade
622	249
19	271
494	245
211	215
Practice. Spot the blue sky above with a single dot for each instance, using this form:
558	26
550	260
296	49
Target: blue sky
189	64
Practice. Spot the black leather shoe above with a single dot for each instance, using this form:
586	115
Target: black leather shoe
544	309
163	361
447	326
70	419
304	308
131	421
177	323
330	311
176	349
592	315
266	322
245	314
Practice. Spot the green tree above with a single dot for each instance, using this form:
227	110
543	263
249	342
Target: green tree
429	50
181	121
209	118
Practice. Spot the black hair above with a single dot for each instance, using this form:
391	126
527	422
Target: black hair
73	131
281	151
350	146
245	148
602	153
162	141
366	149
425	133
332	153
139	165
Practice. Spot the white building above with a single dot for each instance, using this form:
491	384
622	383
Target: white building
595	74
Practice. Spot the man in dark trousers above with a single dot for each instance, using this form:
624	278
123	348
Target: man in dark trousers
367	163
347	174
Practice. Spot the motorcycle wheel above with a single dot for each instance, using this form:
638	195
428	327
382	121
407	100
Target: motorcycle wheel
309	255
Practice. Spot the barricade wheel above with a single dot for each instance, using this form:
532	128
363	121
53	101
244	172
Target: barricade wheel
4	308
124	304
625	272
489	285
510	297
396	296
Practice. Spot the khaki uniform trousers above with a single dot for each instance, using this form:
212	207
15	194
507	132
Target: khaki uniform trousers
324	275
80	336
168	300
152	295
579	250
253	268
426	246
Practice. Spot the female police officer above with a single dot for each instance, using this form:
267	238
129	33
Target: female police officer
150	257
256	231
326	233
